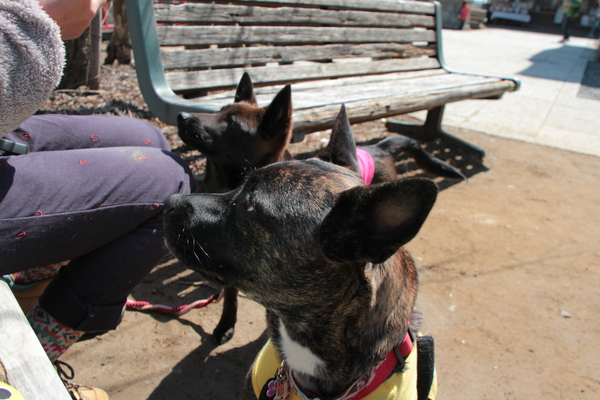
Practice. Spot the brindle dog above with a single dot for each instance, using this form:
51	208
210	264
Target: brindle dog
320	251
243	136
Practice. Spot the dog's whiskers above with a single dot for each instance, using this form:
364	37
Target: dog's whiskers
247	169
198	245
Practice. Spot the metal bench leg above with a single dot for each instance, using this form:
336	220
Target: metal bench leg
431	130
297	137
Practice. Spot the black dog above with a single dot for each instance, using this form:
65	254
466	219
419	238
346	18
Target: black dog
323	254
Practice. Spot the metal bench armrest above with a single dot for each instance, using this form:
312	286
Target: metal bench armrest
162	101
440	54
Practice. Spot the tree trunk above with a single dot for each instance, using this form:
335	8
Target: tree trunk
83	58
119	47
77	65
95	52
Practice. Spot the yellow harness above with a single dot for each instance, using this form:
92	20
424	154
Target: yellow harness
399	386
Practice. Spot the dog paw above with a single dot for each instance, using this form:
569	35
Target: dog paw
222	336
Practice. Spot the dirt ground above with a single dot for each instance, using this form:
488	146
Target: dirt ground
508	261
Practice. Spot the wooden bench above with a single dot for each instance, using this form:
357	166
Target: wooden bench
26	364
379	58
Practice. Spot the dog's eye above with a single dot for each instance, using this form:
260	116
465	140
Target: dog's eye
248	206
230	119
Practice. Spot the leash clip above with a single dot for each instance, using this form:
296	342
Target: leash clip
12	147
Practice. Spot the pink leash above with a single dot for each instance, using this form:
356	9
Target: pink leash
176	311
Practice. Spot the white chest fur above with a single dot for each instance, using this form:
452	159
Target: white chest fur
298	357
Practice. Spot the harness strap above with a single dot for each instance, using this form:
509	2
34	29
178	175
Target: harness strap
278	387
366	164
425	366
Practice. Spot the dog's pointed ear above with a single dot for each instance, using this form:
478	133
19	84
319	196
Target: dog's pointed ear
370	223
277	121
245	90
341	149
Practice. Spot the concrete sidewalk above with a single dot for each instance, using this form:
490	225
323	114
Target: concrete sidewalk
548	109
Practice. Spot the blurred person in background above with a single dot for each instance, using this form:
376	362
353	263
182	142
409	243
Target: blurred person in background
571	8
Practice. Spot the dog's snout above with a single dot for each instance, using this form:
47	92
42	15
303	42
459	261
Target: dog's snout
171	202
182	116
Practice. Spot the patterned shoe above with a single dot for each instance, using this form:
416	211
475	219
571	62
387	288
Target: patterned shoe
77	392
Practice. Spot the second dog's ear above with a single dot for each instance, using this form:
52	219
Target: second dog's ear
341	149
245	90
370	223
277	121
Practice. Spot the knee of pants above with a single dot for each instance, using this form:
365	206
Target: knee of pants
69	310
52	132
177	174
136	174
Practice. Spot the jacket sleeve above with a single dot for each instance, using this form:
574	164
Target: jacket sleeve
32	58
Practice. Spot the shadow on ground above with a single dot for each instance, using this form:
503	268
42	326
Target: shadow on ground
550	64
369	133
225	370
590	83
171	283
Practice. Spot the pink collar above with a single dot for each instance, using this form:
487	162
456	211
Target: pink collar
366	164
385	369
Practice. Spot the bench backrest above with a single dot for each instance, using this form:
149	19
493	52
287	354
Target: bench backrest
204	46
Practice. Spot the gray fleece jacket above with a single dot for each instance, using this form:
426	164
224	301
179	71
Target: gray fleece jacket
32	58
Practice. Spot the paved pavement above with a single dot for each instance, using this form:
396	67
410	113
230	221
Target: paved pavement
549	108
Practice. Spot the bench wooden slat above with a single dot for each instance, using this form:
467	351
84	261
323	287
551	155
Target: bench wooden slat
222	78
285	35
371	100
368	91
379	5
360	89
239	56
236	14
320	118
266	93
28	368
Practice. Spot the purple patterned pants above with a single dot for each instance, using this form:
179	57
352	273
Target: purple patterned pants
90	190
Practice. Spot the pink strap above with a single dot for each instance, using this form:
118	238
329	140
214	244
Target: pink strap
366	164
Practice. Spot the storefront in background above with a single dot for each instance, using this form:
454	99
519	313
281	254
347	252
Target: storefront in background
539	12
534	13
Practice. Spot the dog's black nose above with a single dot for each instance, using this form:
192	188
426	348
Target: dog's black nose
171	202
182	116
